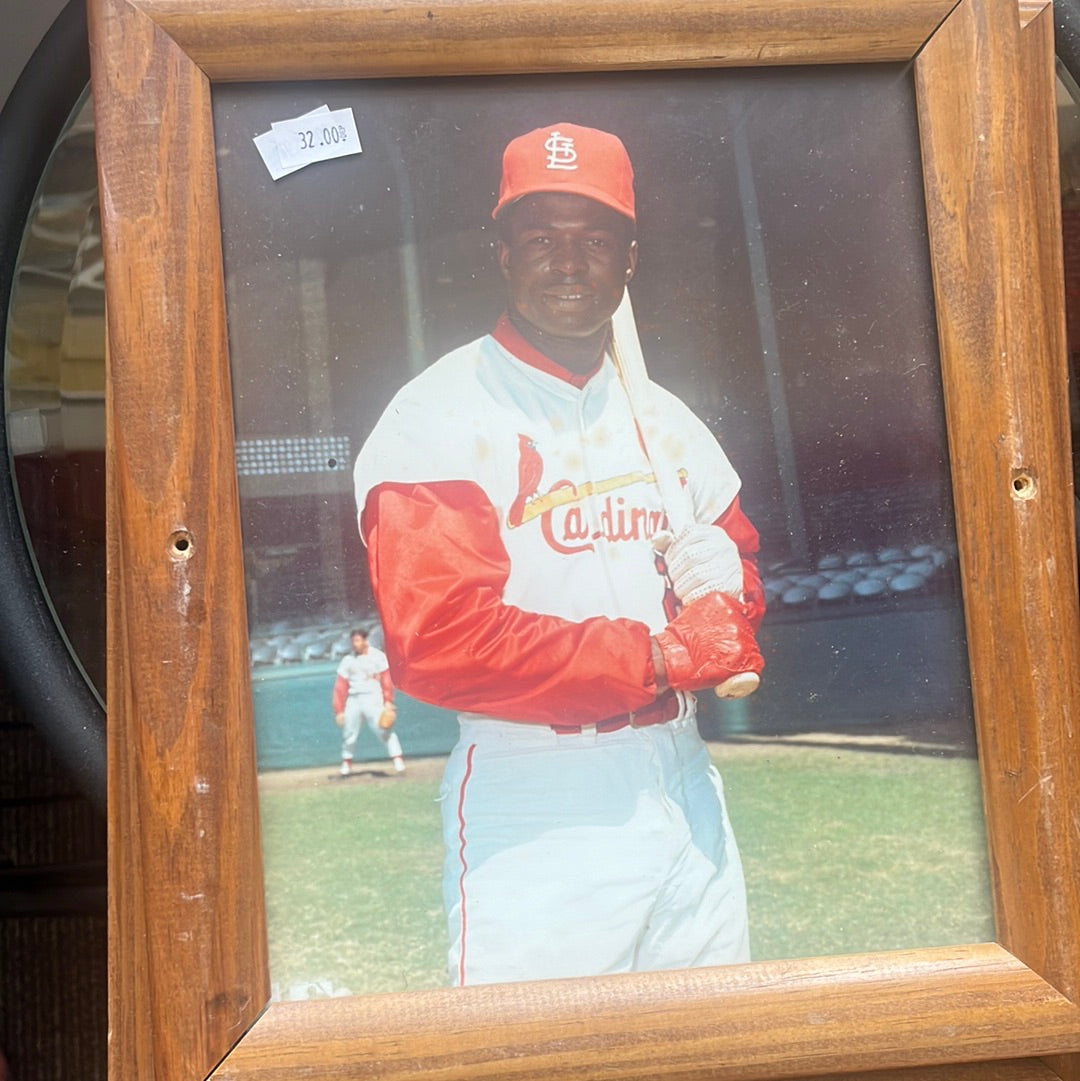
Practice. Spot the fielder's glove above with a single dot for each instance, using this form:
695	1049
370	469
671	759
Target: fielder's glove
387	717
701	559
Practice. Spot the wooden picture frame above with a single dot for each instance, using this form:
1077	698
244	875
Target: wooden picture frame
188	971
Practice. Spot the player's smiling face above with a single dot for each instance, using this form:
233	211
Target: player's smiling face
566	260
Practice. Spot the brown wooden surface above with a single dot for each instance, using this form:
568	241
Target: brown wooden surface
284	39
187	934
795	1018
995	229
187	948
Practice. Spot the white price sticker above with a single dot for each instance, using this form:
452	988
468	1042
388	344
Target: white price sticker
316	137
267	145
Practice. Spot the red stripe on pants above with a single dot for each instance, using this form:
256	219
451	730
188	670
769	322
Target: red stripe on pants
463	861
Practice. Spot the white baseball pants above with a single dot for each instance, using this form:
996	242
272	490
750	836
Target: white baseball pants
586	854
361	709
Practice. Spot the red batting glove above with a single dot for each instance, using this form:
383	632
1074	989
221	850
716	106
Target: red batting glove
707	642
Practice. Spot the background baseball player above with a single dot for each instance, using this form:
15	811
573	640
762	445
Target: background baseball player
364	693
513	523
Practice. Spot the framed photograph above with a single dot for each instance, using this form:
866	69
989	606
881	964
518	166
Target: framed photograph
865	713
964	276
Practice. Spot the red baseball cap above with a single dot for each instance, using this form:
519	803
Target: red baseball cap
568	158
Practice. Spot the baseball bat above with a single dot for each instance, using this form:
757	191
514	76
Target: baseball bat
630	364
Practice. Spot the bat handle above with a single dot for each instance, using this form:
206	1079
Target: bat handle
739	685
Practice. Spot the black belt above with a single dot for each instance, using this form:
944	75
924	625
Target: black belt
665	708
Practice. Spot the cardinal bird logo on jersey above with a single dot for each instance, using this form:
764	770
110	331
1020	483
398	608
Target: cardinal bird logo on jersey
567	521
530	470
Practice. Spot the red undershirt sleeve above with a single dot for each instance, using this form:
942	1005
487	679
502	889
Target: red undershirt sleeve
438	569
740	529
341	692
387	685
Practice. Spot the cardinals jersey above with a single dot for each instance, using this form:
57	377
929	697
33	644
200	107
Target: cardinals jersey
362	671
509	515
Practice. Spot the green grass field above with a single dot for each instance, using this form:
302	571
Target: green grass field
845	850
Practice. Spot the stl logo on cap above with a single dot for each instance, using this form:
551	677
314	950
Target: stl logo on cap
561	152
568	158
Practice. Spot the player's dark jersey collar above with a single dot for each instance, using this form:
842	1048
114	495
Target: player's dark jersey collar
512	340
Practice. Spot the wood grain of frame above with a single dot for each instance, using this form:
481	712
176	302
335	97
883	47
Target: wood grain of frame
188	961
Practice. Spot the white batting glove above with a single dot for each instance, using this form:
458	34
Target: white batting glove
702	559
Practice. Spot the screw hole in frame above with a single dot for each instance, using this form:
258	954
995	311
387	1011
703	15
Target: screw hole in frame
1023	485
181	545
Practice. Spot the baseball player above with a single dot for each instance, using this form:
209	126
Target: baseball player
514	530
364	694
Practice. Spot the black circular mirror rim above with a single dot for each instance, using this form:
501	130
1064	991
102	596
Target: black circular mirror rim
37	663
38	666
